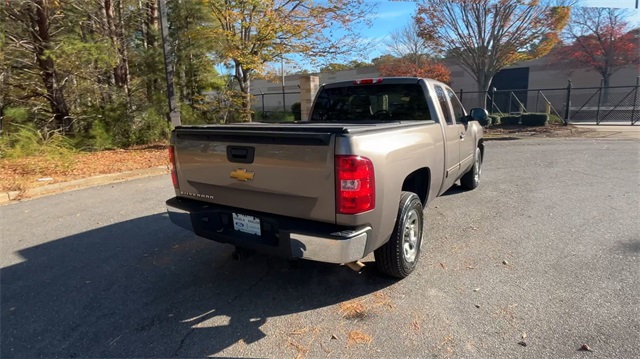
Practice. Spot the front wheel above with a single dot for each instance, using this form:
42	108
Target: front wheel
471	179
399	256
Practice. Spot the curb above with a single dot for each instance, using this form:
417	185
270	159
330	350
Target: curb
13	196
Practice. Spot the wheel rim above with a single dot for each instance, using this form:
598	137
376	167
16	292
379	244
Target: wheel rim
411	236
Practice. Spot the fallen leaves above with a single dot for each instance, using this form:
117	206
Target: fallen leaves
358	337
23	173
353	309
301	350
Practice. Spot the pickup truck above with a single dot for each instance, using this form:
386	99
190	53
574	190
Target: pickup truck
351	180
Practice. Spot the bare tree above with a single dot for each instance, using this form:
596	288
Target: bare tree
407	43
485	36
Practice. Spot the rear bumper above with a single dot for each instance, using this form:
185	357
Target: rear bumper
281	236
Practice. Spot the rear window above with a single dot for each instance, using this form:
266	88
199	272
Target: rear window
384	102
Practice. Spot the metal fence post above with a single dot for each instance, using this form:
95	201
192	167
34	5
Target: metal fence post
510	96
262	101
635	99
567	112
599	101
493	98
537	100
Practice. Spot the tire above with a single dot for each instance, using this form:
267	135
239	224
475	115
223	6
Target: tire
471	179
399	256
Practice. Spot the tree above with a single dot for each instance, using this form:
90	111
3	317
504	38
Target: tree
30	67
252	33
485	36
600	38
337	66
407	43
194	51
407	66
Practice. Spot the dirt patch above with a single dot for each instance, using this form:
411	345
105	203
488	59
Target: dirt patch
550	131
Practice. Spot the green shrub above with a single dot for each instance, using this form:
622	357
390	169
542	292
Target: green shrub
14	116
486	122
296	109
534	119
27	141
495	120
99	139
510	120
274	116
555	119
150	127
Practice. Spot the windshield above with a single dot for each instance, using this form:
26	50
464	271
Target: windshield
383	102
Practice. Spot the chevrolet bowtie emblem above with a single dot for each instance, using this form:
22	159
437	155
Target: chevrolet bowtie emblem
242	175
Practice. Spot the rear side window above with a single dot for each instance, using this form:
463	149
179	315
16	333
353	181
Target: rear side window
444	104
383	102
458	110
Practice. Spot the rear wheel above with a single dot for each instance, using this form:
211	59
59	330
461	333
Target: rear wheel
399	256
471	179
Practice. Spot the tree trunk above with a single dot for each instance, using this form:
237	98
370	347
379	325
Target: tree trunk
149	31
42	45
114	25
122	50
242	76
484	81
606	81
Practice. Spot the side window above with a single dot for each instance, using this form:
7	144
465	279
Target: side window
458	110
444	104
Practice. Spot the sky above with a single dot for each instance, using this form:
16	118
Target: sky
394	15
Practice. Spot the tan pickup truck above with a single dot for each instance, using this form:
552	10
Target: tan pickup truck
351	180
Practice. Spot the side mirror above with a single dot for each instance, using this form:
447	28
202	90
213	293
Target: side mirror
479	114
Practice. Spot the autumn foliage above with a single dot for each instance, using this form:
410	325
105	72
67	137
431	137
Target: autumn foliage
405	67
601	39
485	36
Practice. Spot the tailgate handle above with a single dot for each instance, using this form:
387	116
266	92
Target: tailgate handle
240	154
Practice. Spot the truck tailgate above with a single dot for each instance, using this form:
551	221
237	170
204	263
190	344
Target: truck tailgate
290	173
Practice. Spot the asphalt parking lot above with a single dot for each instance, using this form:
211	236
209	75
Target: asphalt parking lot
542	258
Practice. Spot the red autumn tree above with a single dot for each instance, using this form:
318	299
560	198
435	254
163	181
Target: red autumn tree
405	66
600	38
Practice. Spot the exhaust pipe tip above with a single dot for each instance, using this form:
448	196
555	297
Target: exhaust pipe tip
356	266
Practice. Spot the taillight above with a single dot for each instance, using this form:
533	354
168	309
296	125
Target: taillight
172	160
355	185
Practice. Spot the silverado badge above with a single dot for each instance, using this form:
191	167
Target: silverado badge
242	175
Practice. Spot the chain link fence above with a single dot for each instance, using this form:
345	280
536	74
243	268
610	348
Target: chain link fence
276	106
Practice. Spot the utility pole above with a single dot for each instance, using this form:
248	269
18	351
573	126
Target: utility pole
174	110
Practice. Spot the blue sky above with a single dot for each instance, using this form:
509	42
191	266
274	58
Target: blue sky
394	15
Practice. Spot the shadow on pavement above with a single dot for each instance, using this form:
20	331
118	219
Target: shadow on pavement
144	288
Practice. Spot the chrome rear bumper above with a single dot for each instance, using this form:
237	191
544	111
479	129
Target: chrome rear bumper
283	236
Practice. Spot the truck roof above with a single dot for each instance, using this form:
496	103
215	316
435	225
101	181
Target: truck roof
381	80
